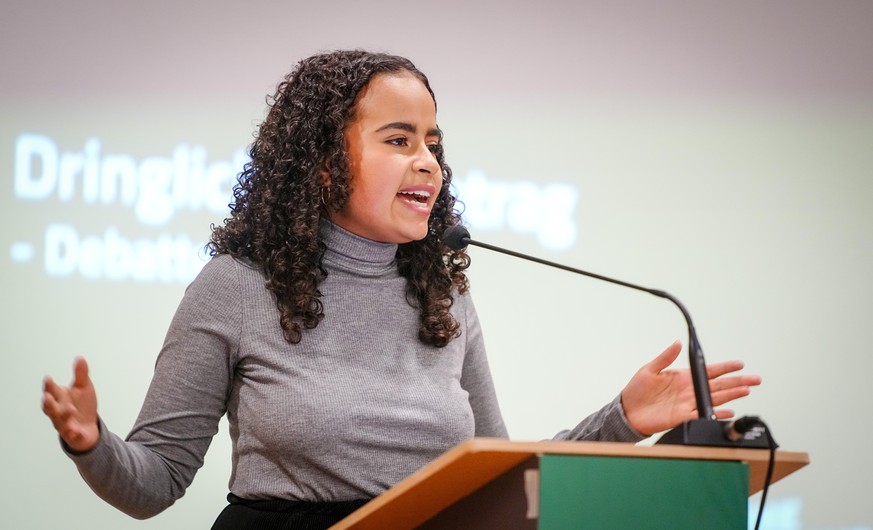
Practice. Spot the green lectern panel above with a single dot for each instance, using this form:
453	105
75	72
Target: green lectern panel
638	493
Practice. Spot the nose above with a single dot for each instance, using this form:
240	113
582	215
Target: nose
425	161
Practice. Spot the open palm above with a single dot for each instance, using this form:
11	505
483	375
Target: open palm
658	398
73	409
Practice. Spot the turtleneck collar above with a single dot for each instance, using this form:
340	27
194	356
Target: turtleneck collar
352	253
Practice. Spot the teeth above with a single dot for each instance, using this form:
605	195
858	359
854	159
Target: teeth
418	195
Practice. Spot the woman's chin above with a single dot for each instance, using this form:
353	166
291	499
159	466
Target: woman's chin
415	234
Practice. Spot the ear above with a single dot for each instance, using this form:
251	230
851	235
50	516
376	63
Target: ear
324	170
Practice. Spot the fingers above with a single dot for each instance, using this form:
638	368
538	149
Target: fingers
56	398
49	404
73	410
725	396
80	373
725	389
53	395
57	409
725	383
49	386
665	358
726	367
724	414
59	402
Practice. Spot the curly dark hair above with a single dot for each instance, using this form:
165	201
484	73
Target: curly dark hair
282	194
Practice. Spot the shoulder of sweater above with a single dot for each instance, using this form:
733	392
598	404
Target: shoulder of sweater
464	298
223	270
226	264
463	304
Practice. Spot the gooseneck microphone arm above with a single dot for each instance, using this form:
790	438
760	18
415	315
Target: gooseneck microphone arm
458	237
706	430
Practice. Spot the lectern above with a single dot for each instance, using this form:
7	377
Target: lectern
499	484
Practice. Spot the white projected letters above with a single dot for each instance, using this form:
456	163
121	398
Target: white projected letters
546	211
167	259
154	189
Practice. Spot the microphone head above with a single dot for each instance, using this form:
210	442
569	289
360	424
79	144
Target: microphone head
456	237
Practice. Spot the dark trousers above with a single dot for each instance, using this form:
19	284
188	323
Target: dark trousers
242	514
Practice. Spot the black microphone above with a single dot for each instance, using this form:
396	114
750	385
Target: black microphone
706	430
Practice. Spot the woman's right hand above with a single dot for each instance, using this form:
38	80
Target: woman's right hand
73	409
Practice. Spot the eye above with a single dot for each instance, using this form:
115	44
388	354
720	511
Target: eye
399	142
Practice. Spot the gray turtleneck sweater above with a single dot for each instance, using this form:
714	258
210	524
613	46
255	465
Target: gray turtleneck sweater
359	404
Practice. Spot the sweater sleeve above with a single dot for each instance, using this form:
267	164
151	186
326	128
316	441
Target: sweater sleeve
150	470
608	424
476	377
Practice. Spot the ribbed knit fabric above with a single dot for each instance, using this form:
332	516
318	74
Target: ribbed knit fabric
359	404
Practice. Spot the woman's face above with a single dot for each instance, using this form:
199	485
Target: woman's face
395	177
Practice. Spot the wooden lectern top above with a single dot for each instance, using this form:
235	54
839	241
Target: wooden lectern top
472	464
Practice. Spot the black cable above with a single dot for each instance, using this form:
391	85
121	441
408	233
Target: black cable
770	466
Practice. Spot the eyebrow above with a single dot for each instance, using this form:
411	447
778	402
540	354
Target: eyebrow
408	127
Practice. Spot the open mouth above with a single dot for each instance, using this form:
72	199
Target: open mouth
415	197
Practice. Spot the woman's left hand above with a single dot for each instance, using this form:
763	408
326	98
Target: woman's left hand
657	399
